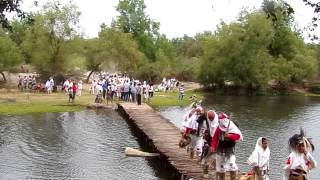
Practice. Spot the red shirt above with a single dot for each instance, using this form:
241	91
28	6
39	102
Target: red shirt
74	88
215	138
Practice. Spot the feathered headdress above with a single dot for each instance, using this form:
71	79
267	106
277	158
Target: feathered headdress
300	139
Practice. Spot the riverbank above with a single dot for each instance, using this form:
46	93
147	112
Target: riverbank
25	103
161	99
15	102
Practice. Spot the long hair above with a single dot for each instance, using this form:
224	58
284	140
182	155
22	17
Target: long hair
300	138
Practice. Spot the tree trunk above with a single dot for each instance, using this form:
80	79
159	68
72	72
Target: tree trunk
4	77
89	76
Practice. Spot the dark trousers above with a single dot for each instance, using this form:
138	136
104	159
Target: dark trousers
133	97
150	94
139	99
104	94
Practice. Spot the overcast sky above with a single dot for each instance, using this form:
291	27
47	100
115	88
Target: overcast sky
176	17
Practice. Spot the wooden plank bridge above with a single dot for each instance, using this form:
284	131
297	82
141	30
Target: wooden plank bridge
165	137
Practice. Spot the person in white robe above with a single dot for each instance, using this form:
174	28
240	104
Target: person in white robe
259	159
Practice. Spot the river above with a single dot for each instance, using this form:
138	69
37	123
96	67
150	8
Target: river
73	145
276	118
90	144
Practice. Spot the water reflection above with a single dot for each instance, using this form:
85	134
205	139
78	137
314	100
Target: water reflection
79	145
276	118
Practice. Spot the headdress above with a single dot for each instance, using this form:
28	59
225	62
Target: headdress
297	139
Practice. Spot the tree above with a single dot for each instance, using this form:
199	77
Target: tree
292	61
94	56
46	40
237	52
19	28
133	20
10	54
124	50
9	6
188	46
112	46
281	15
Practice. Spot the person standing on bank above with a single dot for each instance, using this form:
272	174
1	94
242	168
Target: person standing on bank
181	92
223	143
139	93
151	91
259	159
74	91
104	90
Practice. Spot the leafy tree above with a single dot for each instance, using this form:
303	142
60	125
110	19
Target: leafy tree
281	16
10	54
18	29
134	20
237	53
293	61
112	46
45	41
94	56
124	50
9	6
188	46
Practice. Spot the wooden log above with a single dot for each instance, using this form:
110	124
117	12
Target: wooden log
134	152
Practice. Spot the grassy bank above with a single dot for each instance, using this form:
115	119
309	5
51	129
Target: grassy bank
24	103
161	99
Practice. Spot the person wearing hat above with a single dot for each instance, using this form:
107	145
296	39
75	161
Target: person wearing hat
208	158
300	160
194	130
223	143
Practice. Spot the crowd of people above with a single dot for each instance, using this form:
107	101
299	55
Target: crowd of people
27	83
105	87
121	88
211	137
168	84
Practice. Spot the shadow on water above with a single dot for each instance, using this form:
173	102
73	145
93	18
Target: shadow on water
276	118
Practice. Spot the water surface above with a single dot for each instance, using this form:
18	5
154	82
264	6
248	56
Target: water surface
276	118
73	145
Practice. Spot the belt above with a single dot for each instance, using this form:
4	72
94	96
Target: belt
298	171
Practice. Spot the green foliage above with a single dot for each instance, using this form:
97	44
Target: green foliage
237	53
45	42
120	48
134	20
10	54
189	46
254	51
18	29
9	6
259	48
112	47
161	99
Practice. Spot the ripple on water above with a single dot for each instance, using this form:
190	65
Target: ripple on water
77	145
276	118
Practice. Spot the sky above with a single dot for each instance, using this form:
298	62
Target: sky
176	17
